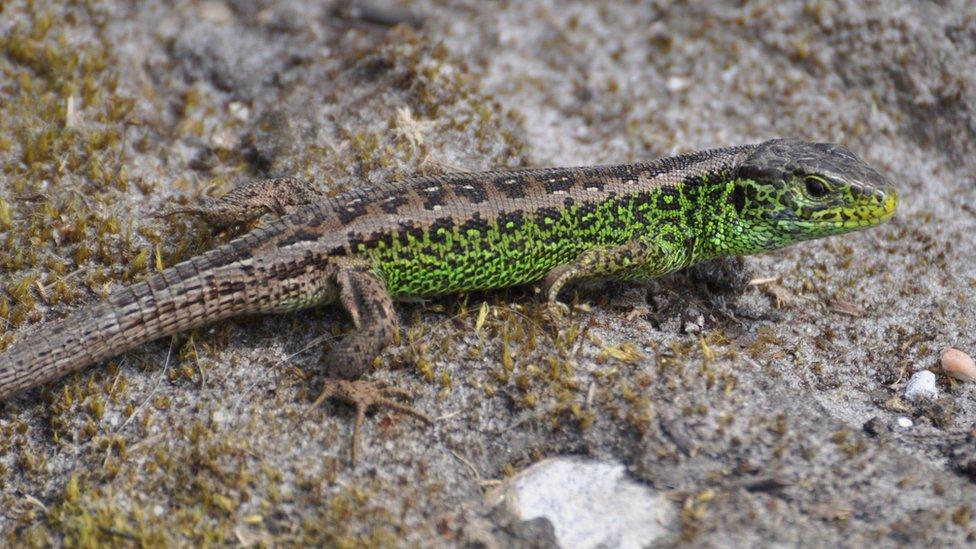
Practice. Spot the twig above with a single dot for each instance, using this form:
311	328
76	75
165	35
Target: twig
159	380
461	458
38	503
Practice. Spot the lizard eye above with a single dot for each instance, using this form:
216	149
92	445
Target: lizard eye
815	187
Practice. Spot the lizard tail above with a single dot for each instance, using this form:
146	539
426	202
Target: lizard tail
199	291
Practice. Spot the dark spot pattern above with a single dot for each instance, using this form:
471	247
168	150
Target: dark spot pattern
512	186
510	221
477	224
440	229
472	191
669	199
392	204
559	184
348	212
434	195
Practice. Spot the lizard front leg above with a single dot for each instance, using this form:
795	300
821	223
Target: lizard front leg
250	201
365	298
637	259
726	275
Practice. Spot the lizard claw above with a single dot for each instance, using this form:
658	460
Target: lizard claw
166	214
365	395
197	211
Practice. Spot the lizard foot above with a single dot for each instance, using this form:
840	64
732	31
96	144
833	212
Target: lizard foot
249	202
365	395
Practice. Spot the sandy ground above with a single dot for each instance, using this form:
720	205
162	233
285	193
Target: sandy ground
767	417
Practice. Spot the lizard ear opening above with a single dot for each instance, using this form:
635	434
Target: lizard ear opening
739	198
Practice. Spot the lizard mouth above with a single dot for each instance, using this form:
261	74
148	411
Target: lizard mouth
875	209
881	208
890	204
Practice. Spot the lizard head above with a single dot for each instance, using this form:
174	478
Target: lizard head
789	190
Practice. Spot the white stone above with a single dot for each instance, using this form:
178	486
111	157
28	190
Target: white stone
238	111
904	422
219	417
677	84
589	503
922	386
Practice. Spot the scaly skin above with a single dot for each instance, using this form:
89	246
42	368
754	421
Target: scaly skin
479	231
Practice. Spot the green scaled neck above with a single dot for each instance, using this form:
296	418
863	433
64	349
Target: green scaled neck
719	229
723	230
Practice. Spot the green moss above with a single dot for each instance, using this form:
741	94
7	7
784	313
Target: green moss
65	117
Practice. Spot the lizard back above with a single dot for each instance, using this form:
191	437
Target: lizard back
477	231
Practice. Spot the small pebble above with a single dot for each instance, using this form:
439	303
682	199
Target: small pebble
215	12
922	386
677	84
874	426
904	422
958	365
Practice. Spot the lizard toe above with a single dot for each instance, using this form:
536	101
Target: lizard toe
363	395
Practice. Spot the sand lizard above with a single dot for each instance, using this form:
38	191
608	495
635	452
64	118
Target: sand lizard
471	231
